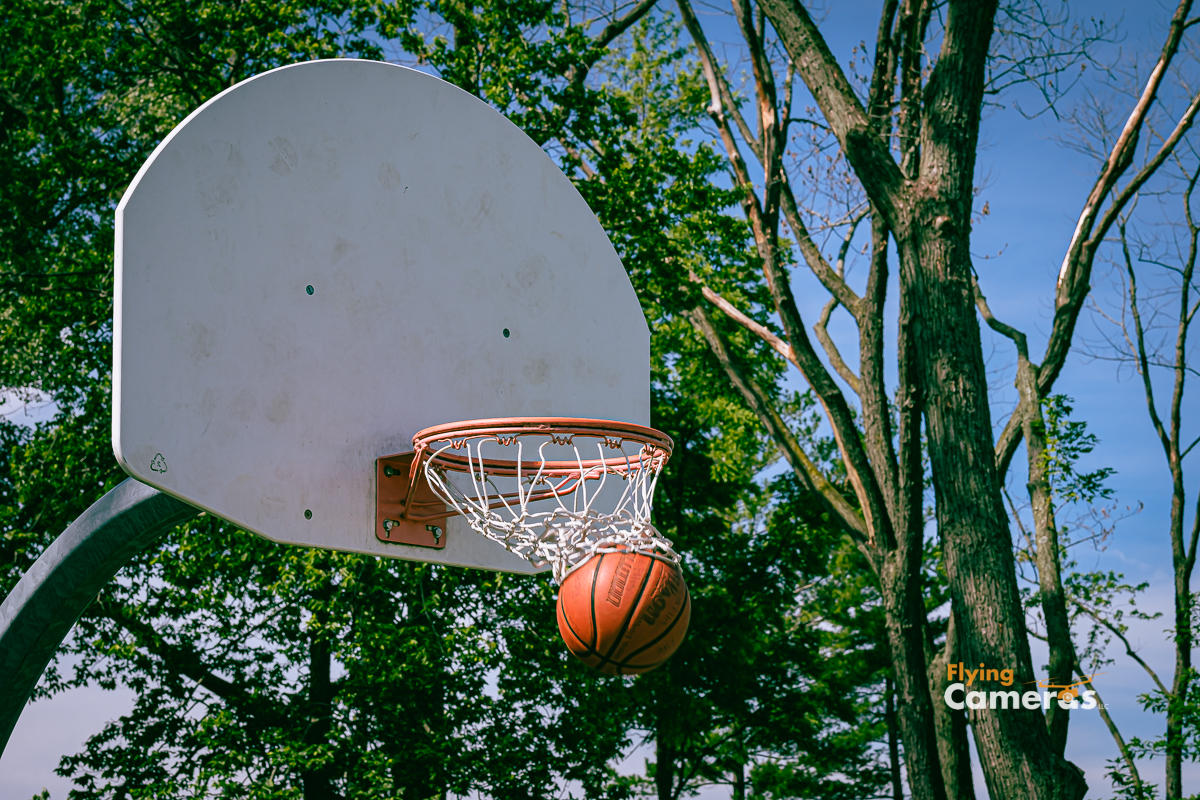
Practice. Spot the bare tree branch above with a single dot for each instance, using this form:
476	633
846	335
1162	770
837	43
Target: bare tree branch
1140	339
734	313
182	660
822	326
910	40
719	110
723	101
578	73
818	68
764	80
1124	640
1012	333
1008	441
803	467
883	72
825	273
1075	274
831	350
763	222
1112	728
578	156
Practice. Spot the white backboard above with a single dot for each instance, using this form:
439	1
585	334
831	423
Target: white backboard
325	259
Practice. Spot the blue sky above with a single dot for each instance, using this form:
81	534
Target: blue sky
1034	189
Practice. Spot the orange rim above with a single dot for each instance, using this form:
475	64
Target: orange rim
656	446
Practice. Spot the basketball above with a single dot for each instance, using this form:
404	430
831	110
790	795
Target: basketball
624	613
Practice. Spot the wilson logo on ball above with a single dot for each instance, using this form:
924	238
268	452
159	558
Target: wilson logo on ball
617	587
659	603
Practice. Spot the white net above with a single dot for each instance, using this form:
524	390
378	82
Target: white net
553	499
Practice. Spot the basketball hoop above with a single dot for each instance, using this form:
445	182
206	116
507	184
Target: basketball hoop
553	490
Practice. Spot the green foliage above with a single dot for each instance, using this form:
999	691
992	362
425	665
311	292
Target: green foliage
658	197
1103	601
1100	601
657	80
527	58
266	671
48	476
839	603
261	669
1185	706
753	690
1125	786
765	685
86	92
1067	441
758	688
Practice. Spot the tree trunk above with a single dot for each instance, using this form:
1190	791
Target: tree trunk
893	740
1183	551
887	523
953	748
955	751
1183	562
664	763
904	608
936	279
1049	564
928	211
935	261
898	570
318	784
424	774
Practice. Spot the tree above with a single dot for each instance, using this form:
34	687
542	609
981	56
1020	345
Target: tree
264	671
905	160
1154	272
760	696
1081	511
88	92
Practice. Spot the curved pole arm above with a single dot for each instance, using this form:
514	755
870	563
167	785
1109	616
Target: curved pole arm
41	609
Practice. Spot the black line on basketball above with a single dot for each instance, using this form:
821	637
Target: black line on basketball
628	617
592	603
687	601
591	651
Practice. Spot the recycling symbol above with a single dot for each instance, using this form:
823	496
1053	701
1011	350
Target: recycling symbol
158	463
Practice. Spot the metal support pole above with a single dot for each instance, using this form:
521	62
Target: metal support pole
41	609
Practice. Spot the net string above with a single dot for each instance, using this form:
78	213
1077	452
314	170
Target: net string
567	535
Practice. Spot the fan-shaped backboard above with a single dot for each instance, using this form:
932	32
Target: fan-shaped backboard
325	259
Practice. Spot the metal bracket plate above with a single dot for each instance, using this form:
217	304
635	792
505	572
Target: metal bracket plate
391	496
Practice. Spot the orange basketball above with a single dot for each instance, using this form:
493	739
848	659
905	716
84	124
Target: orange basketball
624	613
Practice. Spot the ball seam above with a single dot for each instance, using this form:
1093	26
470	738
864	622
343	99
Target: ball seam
687	602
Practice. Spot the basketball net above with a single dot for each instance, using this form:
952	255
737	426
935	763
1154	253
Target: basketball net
549	511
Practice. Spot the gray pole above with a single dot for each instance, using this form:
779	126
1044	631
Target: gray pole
40	610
